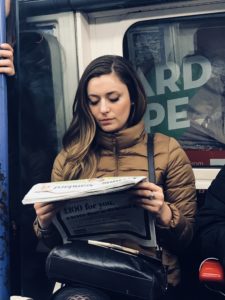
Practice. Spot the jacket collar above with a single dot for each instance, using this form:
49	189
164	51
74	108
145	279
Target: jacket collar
122	139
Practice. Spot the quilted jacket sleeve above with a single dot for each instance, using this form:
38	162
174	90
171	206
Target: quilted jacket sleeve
51	236
180	194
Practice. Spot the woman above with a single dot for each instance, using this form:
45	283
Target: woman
107	138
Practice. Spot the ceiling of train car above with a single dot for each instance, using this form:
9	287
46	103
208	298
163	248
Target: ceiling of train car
36	7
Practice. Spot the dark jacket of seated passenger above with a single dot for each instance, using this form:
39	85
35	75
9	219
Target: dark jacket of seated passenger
211	220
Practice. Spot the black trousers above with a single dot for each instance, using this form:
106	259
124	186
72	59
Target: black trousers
79	293
88	293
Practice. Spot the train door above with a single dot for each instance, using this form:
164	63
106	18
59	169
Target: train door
168	42
47	76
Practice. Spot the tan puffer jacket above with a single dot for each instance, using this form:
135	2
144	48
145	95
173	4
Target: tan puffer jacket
124	154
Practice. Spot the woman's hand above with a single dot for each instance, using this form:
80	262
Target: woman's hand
151	198
6	60
46	212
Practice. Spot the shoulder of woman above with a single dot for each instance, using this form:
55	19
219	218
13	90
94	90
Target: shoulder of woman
165	142
170	148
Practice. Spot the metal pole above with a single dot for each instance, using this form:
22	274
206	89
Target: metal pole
4	208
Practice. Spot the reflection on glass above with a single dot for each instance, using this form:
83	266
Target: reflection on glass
182	66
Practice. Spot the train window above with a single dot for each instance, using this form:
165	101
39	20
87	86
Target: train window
42	111
182	65
48	76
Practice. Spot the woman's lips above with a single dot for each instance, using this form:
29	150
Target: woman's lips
105	121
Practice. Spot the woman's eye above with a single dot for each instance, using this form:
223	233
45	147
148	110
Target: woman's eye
114	99
93	102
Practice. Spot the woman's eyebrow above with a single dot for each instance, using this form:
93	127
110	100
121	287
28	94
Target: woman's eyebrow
108	94
113	92
93	95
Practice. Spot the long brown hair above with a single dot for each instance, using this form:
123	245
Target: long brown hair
79	139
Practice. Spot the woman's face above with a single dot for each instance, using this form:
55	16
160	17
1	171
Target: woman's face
109	102
7	7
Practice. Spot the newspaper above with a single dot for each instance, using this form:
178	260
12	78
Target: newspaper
71	189
97	209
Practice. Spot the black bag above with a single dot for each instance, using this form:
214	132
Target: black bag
109	267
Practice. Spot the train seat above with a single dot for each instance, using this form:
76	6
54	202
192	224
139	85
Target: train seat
211	274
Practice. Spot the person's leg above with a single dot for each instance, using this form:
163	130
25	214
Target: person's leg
79	293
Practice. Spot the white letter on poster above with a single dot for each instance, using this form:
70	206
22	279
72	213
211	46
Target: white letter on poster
188	66
170	82
176	119
159	112
148	90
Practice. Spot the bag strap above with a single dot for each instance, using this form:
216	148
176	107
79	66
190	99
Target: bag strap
151	164
152	177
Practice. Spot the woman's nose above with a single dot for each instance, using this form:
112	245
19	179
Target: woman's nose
104	107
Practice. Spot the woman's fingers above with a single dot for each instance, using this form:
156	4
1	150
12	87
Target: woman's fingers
6	60
149	196
146	185
149	191
153	206
46	212
6	54
47	208
6	46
